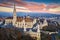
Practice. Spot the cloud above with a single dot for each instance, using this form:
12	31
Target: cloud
31	7
5	9
56	10
53	5
20	9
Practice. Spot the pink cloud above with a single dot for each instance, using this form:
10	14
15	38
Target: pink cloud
53	5
34	7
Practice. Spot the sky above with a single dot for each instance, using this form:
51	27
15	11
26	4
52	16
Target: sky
40	6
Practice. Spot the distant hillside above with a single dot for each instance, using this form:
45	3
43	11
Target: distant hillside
7	14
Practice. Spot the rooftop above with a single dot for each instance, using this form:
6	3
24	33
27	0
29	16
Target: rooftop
19	19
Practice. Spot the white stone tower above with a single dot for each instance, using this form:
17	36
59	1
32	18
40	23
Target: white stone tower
14	15
38	32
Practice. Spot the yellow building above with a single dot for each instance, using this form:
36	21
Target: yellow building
25	22
21	22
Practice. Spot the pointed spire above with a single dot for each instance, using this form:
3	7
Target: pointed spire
14	15
14	11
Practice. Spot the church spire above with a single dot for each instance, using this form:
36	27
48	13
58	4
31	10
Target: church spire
14	15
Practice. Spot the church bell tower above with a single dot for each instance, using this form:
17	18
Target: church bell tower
14	15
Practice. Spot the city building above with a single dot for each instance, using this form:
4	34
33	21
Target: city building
22	22
26	22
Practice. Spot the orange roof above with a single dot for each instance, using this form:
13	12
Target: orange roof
1	19
19	19
28	20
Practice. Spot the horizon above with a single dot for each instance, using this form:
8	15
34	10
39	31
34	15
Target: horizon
20	14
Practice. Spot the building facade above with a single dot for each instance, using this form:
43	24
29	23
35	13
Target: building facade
26	22
22	22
